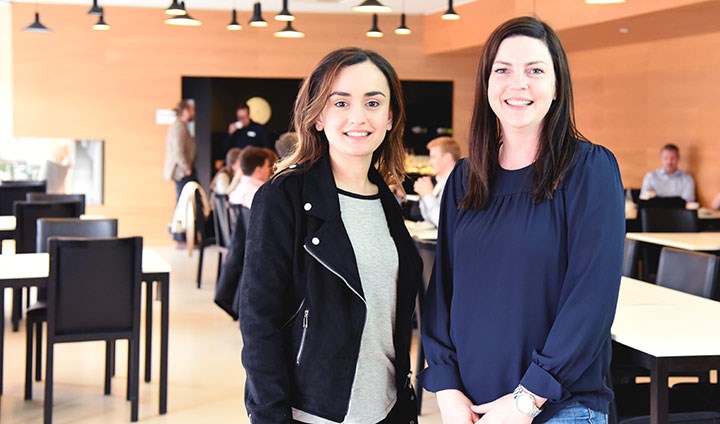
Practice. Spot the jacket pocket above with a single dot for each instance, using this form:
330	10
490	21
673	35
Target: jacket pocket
302	338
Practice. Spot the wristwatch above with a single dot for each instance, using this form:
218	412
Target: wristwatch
525	402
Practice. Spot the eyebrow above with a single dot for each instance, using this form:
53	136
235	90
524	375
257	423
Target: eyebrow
368	94
535	62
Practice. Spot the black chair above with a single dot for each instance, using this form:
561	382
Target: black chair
94	294
245	213
27	214
227	289
631	257
221	221
202	233
426	249
669	220
690	272
47	197
37	313
12	191
662	203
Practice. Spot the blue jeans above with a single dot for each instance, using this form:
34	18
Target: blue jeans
576	413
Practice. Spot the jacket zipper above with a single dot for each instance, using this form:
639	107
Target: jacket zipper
294	315
302	339
336	273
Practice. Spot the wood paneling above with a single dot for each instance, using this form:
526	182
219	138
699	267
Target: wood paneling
5	73
81	83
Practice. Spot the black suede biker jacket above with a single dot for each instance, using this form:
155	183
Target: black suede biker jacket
302	310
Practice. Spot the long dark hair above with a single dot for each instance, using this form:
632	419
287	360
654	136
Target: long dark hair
314	93
557	136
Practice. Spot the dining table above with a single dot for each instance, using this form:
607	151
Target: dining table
697	242
32	270
666	330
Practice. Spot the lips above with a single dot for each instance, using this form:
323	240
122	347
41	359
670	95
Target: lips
357	133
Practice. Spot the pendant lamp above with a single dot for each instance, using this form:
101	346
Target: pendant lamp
450	14
234	25
375	30
95	9
289	32
37	26
176	9
101	25
285	14
371	6
257	19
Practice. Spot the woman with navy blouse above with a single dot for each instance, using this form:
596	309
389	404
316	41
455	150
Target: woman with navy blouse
516	326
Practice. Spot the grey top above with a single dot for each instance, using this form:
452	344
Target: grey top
373	392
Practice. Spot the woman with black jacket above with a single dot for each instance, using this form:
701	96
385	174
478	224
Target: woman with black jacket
331	273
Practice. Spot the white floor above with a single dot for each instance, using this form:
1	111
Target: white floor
206	377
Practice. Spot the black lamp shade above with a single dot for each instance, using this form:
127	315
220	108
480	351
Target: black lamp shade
257	19
36	26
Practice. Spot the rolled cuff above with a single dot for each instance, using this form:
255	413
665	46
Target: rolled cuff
542	383
440	377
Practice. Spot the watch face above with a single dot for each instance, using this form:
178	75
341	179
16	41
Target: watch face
524	403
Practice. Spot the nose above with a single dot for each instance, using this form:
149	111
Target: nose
357	114
519	80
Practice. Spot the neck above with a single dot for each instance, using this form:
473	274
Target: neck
351	174
519	148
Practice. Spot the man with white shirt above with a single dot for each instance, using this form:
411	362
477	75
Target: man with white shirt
668	181
444	152
256	165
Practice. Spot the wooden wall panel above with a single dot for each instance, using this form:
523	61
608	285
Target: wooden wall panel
634	99
85	84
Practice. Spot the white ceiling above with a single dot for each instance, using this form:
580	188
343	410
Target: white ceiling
415	7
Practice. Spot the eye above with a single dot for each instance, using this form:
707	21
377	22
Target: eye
500	70
341	103
536	71
373	103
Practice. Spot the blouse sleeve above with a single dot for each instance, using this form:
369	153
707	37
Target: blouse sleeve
442	371
595	232
267	301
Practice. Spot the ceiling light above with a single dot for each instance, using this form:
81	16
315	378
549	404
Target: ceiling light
37	26
95	9
234	25
374	31
289	32
101	25
257	19
176	9
402	29
450	14
371	6
185	20
285	14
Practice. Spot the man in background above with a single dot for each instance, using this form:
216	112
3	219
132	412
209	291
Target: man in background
180	147
245	132
256	165
668	180
444	153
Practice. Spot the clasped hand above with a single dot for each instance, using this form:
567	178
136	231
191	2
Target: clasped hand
456	408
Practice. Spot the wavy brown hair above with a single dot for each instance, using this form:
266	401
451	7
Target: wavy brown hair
312	98
557	136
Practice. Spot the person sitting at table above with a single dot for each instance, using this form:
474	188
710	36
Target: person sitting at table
228	177
668	180
256	166
444	153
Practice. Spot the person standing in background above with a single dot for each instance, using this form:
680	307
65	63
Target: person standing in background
245	132
444	153
180	147
668	180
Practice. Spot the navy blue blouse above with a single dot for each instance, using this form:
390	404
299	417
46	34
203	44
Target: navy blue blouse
525	293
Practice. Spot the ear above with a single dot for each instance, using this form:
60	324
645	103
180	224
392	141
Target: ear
390	119
319	125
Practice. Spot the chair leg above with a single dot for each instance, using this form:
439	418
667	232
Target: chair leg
128	394
16	309
219	268
200	264
109	353
38	350
28	359
134	376
48	401
112	366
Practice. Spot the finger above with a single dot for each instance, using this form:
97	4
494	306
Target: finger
482	408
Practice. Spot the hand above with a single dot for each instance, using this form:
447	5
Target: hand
501	410
232	128
188	172
423	186
455	407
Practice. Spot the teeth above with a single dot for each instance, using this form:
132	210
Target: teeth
357	133
518	102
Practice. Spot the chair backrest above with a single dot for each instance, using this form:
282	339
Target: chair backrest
245	213
94	288
669	220
631	257
674	202
12	191
73	227
35	197
221	220
27	214
690	272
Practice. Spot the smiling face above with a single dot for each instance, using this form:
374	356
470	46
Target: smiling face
521	86
357	114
